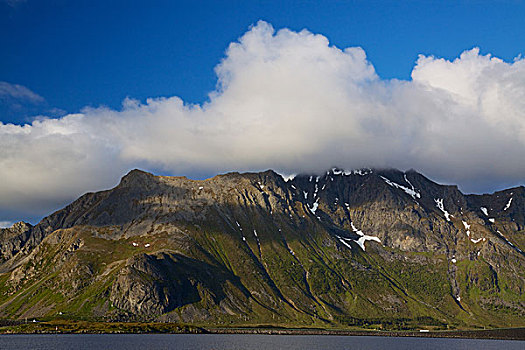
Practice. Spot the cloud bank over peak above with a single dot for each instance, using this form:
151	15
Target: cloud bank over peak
292	102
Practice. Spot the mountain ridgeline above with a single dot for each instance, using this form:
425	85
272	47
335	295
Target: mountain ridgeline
365	248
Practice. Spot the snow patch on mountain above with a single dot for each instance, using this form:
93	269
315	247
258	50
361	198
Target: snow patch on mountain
467	227
343	240
361	241
509	242
440	206
508	204
361	172
314	206
484	211
410	191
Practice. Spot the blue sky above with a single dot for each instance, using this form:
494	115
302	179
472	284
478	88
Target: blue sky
92	89
89	53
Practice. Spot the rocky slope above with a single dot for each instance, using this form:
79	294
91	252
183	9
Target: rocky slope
377	248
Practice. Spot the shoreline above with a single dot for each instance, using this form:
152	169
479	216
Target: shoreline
496	334
171	328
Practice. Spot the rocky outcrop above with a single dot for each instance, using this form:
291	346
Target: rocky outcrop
13	239
151	285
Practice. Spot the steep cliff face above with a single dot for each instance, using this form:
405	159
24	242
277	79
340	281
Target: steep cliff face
357	247
13	239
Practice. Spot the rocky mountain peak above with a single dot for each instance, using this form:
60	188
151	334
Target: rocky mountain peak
19	227
333	247
136	177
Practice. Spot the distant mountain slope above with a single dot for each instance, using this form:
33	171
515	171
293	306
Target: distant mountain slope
377	248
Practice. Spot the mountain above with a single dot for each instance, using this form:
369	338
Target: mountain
369	248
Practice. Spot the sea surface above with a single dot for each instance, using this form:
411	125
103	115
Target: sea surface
244	342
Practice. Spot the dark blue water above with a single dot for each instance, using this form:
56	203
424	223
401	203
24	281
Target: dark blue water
244	342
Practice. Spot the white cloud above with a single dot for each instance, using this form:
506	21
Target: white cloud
288	101
18	92
6	224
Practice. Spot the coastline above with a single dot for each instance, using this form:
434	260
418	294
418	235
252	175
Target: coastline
83	327
496	334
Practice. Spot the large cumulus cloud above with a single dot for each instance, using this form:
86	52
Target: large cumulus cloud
292	102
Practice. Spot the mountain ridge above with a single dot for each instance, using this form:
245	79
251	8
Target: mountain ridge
254	247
